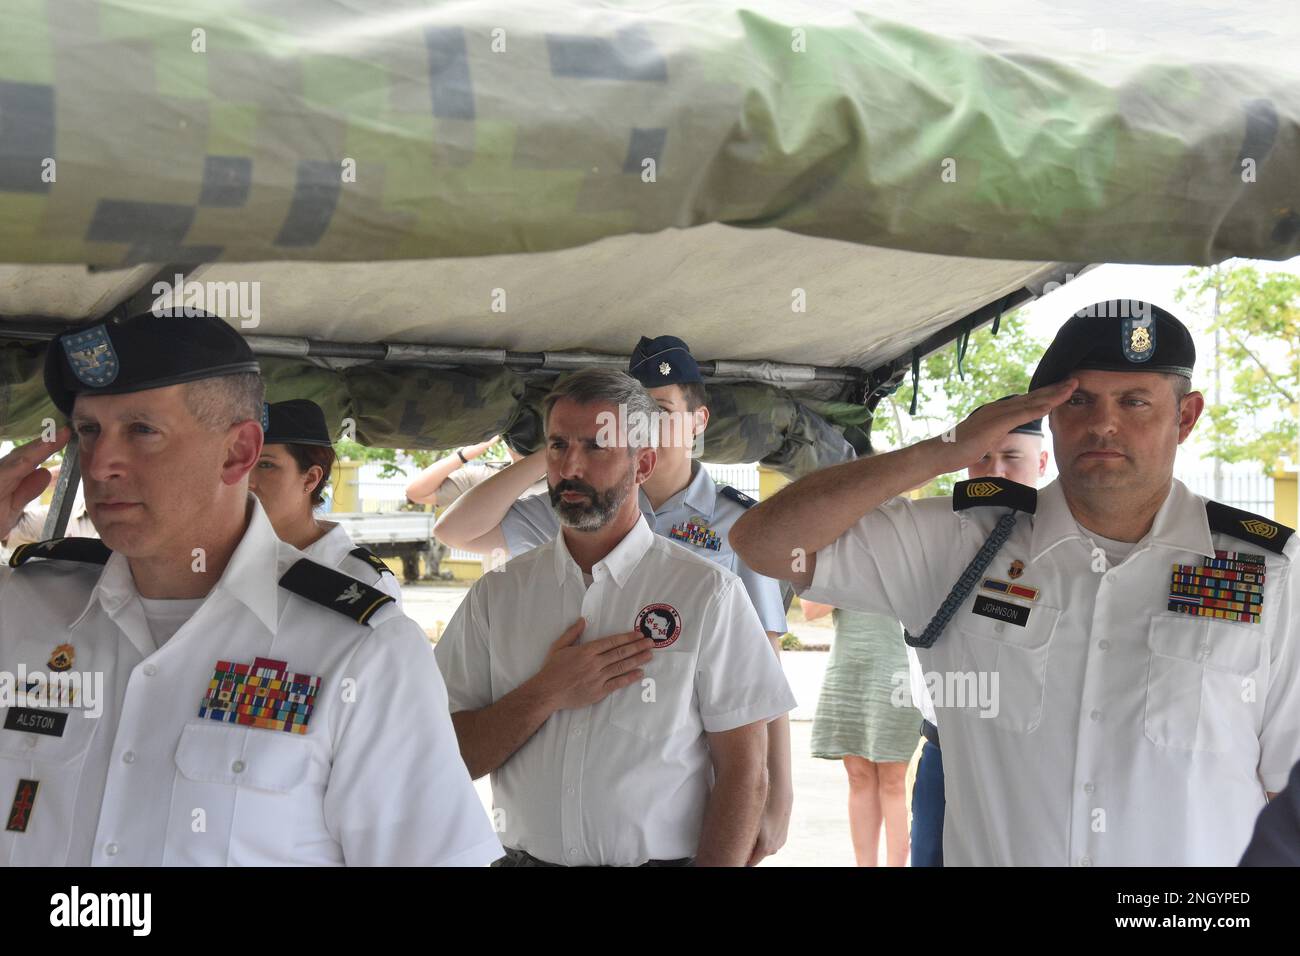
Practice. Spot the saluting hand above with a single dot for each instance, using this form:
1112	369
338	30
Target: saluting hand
22	479
985	427
578	675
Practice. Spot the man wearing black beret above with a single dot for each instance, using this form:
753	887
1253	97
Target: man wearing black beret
247	693
1120	661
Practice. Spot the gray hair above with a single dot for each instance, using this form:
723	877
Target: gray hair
219	402
617	388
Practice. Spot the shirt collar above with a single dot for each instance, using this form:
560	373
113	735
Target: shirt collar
1180	524
700	496
618	564
252	577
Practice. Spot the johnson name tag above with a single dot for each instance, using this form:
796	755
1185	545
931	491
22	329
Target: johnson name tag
1016	614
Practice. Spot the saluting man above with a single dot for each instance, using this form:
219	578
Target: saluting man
638	736
680	501
1131	646
295	464
256	707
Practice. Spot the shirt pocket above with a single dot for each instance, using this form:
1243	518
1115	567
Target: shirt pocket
1004	670
262	791
1199	690
56	763
657	710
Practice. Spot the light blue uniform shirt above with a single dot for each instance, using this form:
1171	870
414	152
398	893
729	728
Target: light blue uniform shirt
532	521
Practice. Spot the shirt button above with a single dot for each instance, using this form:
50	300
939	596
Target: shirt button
30	741
1110	579
1085	861
1088	788
577	731
573	852
1104	644
999	628
111	849
570	791
237	766
128	757
149	670
1095	715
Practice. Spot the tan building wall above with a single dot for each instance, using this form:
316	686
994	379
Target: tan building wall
1285	505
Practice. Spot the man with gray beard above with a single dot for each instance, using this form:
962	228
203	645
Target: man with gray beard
639	736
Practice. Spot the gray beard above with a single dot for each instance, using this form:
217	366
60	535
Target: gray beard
595	514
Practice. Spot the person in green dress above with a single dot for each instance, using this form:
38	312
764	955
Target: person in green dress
860	722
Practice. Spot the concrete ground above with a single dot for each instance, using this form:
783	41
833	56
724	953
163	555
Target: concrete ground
819	827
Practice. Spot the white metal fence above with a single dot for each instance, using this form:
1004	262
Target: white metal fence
1240	486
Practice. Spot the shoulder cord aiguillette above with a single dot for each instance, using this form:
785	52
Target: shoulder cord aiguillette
966	583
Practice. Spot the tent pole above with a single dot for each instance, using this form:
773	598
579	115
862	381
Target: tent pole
65	493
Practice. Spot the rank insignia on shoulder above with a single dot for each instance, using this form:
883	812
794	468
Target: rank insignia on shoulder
1245	526
372	559
998	492
739	497
334	590
88	550
263	694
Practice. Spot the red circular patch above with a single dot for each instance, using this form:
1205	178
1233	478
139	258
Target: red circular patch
659	622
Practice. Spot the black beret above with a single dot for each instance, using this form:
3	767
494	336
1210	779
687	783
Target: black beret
1119	335
1034	427
665	360
295	422
148	351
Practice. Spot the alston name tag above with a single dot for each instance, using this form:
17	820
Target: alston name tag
31	720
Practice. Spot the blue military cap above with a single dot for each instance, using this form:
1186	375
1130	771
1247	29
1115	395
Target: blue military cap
298	421
1119	335
1034	427
148	351
665	360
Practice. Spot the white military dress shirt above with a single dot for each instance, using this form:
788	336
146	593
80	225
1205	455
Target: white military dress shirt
531	521
334	550
377	777
1118	732
626	779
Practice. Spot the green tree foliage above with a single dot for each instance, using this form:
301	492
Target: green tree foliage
1258	330
993	366
397	461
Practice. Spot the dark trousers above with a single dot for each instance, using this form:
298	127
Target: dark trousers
927	808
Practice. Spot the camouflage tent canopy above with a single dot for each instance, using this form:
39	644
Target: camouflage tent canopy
463	194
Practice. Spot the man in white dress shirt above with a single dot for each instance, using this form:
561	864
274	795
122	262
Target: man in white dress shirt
1122	676
638	737
202	693
1019	457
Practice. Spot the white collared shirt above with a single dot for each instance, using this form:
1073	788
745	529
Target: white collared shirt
532	521
377	777
921	699
1119	733
626	779
334	550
